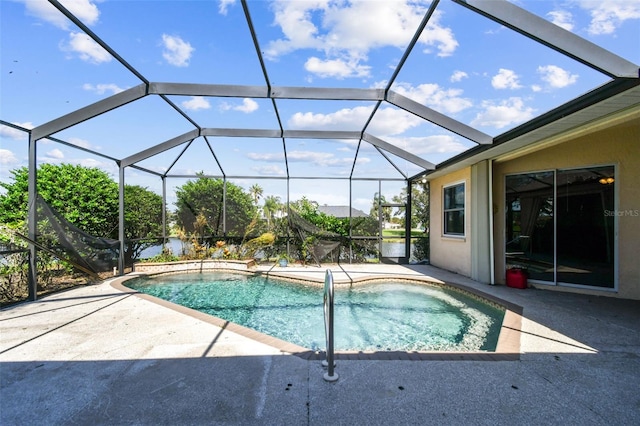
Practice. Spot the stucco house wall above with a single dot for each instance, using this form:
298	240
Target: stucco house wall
617	145
452	253
611	141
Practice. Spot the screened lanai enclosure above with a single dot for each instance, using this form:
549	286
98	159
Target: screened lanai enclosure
272	128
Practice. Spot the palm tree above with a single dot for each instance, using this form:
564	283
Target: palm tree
271	205
256	192
379	200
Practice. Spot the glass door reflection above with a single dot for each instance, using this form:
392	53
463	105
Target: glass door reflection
585	232
530	224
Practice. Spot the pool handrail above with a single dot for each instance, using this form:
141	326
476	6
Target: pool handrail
330	375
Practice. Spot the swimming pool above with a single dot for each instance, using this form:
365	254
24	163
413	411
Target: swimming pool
378	316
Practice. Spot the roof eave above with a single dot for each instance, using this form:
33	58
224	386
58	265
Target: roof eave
480	152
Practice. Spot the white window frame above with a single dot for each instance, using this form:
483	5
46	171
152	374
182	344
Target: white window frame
463	209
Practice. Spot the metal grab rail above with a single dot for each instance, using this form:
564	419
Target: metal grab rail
330	375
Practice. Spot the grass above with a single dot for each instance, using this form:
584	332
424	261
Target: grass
399	233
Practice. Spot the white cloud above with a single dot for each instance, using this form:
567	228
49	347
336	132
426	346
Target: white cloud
322	159
85	10
80	142
343	119
87	49
176	51
47	160
319	158
505	79
268	157
248	106
7	157
458	76
607	16
387	121
78	42
101	89
346	31
434	96
294	19
196	103
434	144
361	160
89	162
363	204
441	37
496	30
561	18
56	158
556	77
505	113
337	68
271	170
224	6
55	154
15	134
392	121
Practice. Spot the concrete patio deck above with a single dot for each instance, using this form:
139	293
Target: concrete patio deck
97	355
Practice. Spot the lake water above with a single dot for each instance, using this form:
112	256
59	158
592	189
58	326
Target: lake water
389	249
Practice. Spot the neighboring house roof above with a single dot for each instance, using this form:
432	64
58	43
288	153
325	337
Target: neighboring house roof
341	211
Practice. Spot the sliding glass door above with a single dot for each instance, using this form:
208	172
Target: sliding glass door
530	224
560	225
585	226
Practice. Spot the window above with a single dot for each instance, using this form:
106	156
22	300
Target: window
454	210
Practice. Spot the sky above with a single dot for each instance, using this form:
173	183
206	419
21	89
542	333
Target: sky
463	65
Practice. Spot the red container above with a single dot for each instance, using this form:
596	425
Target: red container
516	278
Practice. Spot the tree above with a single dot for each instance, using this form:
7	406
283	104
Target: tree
305	207
377	201
272	205
419	205
256	192
206	196
86	197
142	218
400	199
419	216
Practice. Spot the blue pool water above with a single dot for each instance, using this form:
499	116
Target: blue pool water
371	317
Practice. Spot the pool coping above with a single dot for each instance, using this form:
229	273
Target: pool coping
507	348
